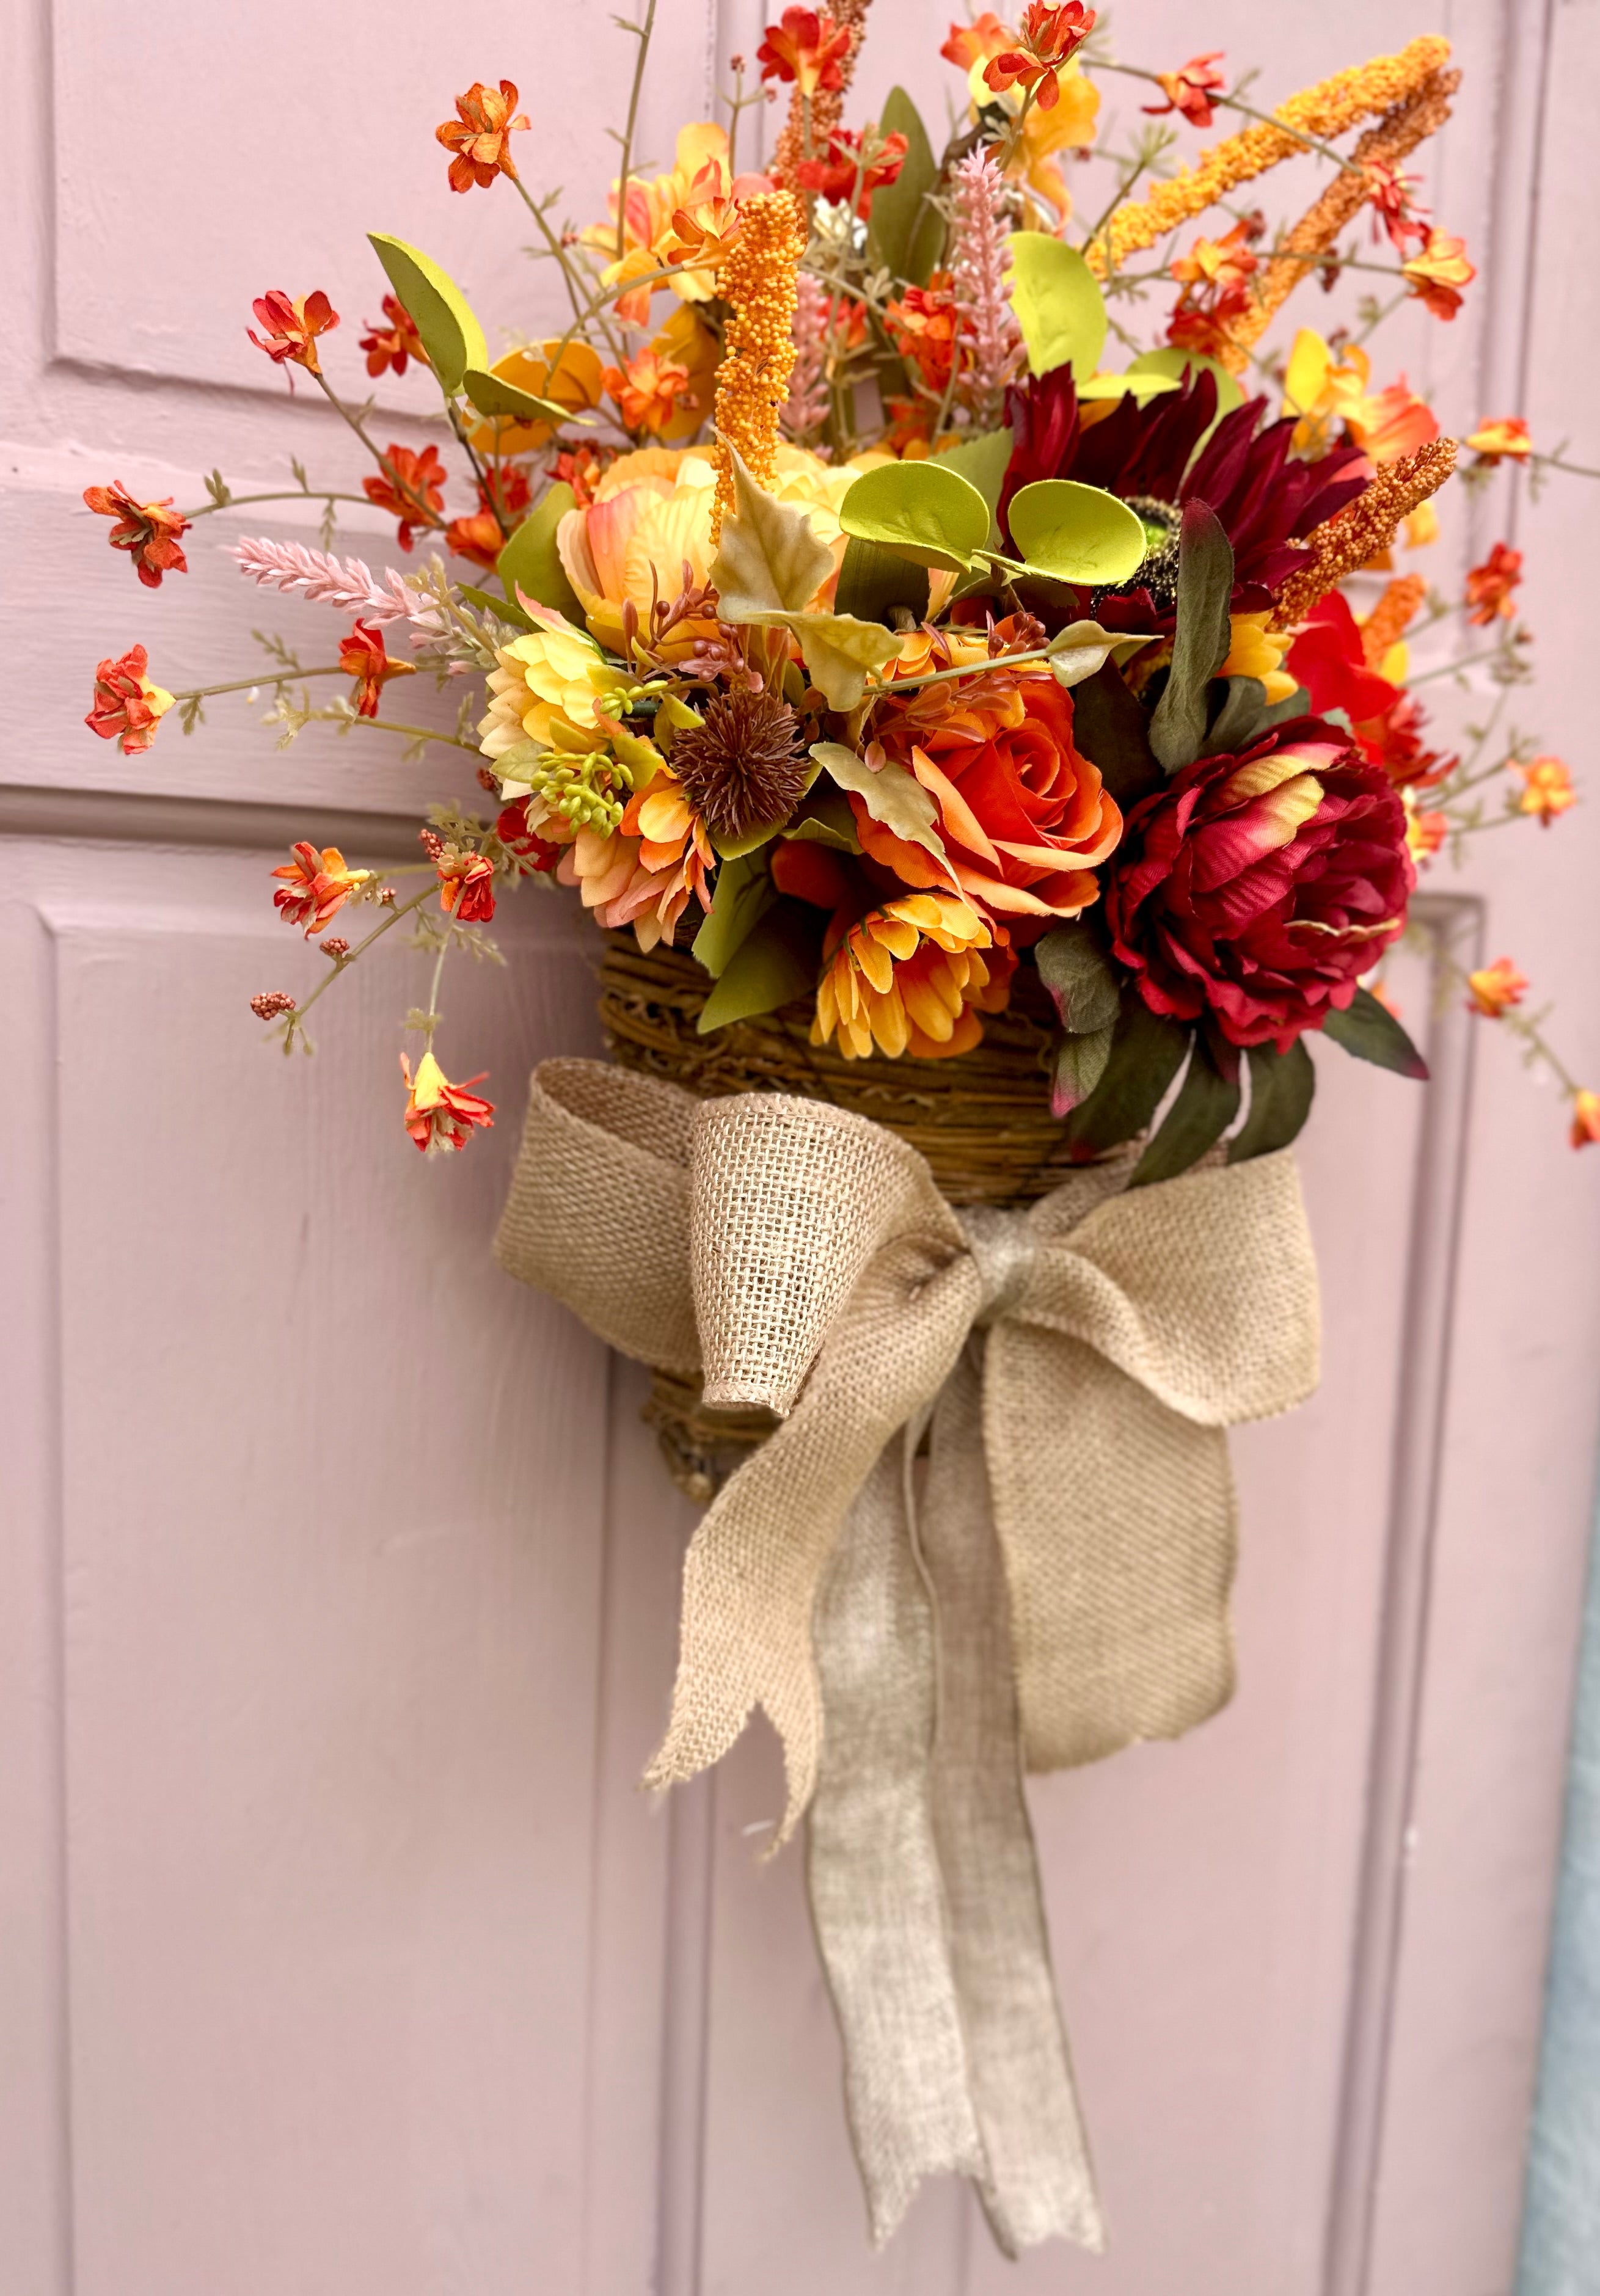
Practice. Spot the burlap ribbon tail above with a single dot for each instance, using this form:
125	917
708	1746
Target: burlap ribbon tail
1057	1589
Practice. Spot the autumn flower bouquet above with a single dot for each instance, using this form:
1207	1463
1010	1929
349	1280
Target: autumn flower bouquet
960	659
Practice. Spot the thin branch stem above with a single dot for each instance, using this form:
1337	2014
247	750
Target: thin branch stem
273	678
288	494
642	34
343	964
425	514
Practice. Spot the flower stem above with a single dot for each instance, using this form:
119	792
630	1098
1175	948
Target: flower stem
642	34
575	285
288	494
425	515
343	964
276	677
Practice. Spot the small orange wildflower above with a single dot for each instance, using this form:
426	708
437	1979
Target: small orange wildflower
1496	987
361	656
1425	833
127	707
1548	789
315	886
1190	88
481	138
1049	37
440	1114
292	327
702	232
1438	273
911	976
393	339
466	885
1504	439
502	501
148	531
416	488
1490	588
648	391
807	47
1586	1118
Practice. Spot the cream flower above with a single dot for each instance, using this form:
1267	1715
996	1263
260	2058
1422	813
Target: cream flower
547	679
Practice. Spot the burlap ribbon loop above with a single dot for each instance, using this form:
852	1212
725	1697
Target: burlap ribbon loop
1062	1591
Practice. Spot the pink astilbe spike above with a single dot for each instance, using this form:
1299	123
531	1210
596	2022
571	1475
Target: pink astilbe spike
988	330
807	405
348	584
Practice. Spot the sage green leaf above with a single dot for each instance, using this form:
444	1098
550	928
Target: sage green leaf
1111	729
504	401
1207	1103
1141	387
872	583
1077	974
924	512
1281	1086
1083	648
776	962
906	233
741	897
1246	714
1369	1031
827	820
505	610
1205	584
770	561
1080	1063
1077	534
735	849
1146	1054
890	795
1058	304
531	561
439	311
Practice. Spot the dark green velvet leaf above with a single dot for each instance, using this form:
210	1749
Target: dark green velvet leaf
1205	582
1112	727
1281	1089
1146	1054
1207	1103
1369	1031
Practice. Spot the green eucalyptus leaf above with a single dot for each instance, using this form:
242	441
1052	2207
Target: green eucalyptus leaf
890	795
1281	1086
872	583
1173	364
531	561
1369	1031
741	897
1080	1063
1146	1054
770	561
1111	729
1200	647
1058	303
983	462
439	312
1141	387
924	512
1077	974
1077	534
504	401
906	233
775	962
1207	1103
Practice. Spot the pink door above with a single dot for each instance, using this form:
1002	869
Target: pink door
337	1575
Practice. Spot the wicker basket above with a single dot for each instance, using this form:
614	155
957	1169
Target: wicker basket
982	1121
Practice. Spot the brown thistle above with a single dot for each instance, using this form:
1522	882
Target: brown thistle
744	765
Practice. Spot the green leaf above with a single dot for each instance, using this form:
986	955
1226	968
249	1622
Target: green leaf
827	820
1369	1031
1077	974
924	512
906	234
1083	649
1174	364
1207	1103
839	650
1141	387
1205	584
769	561
1146	1054
872	582
1058	304
505	609
741	896
503	401
439	311
1076	533
891	795
1111	729
1080	1063
1281	1085
983	462
1246	714
531	561
775	964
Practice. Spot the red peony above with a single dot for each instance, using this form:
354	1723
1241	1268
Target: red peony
1259	889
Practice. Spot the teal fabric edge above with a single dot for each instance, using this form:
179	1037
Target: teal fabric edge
1561	2221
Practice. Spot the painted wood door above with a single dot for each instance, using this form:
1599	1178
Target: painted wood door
337	1575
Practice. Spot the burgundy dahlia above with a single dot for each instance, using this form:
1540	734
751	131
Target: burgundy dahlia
1258	888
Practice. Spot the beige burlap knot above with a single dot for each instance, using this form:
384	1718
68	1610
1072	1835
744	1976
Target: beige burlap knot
827	1279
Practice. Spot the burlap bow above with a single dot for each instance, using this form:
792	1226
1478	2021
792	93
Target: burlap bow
1059	1589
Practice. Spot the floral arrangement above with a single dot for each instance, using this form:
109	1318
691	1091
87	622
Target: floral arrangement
849	597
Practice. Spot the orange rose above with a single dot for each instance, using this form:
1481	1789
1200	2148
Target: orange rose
1024	818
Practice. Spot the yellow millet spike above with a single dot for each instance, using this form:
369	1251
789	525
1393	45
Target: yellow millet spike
1325	111
758	284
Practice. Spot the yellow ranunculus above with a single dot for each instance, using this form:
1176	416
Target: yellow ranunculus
544	689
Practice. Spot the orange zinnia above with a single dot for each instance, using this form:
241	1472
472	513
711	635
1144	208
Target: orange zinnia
648	390
910	977
481	138
148	531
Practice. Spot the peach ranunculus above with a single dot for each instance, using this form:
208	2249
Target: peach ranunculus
1025	819
1069	124
1326	393
909	977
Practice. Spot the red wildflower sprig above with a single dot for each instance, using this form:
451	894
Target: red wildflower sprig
440	1114
1190	89
807	48
127	707
148	531
1049	37
480	136
292	327
392	341
411	489
362	655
